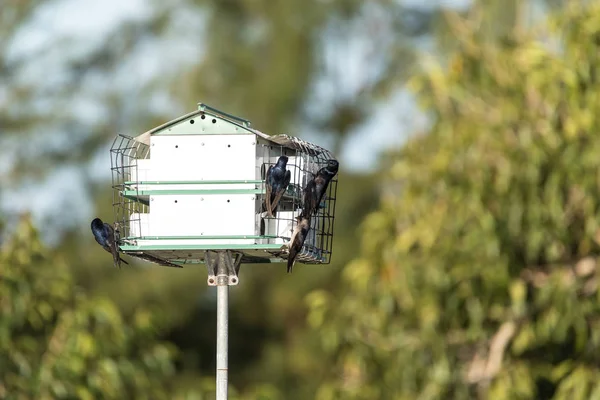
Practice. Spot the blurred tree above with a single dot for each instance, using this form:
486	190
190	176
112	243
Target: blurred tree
44	121
55	342
478	275
263	61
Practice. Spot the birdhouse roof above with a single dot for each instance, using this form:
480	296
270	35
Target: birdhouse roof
240	125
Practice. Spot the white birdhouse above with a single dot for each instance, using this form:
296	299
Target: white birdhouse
197	183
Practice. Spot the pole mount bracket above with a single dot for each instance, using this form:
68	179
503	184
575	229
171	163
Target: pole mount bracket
223	267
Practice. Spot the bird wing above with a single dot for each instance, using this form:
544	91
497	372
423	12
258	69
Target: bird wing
98	238
320	195
112	245
268	194
294	232
291	259
297	241
279	193
99	232
310	199
322	179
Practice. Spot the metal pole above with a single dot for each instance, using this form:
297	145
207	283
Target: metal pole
222	326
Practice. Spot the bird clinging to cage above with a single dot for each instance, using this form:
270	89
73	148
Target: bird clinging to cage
105	236
297	240
313	195
315	188
277	181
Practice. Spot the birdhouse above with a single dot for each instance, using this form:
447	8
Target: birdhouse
197	184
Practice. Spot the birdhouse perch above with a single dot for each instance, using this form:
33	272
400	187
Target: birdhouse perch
197	184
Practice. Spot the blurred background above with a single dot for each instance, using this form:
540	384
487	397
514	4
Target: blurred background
467	235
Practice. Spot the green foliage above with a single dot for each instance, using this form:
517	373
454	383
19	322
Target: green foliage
60	336
478	277
55	342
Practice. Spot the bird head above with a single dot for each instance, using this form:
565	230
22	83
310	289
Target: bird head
330	169
97	224
332	166
282	161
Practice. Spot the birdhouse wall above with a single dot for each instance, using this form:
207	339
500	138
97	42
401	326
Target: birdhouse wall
185	159
202	215
282	226
139	224
203	158
141	172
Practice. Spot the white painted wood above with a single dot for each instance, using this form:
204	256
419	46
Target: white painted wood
196	215
139	224
283	227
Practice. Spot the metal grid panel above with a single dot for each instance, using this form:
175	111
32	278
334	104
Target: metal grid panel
305	160
125	154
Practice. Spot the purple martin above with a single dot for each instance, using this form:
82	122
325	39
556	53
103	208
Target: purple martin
315	189
105	236
278	179
297	240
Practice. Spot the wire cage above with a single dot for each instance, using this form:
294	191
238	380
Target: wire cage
197	183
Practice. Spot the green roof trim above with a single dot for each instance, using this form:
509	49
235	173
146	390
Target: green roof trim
225	124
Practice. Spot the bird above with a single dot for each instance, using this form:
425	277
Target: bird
309	200
315	188
277	181
297	240
105	236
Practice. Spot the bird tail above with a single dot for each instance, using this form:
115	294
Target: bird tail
290	263
275	202
268	201
116	257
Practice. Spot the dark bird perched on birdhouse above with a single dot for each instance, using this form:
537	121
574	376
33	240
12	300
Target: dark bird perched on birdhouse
105	236
313	195
297	240
277	181
315	189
